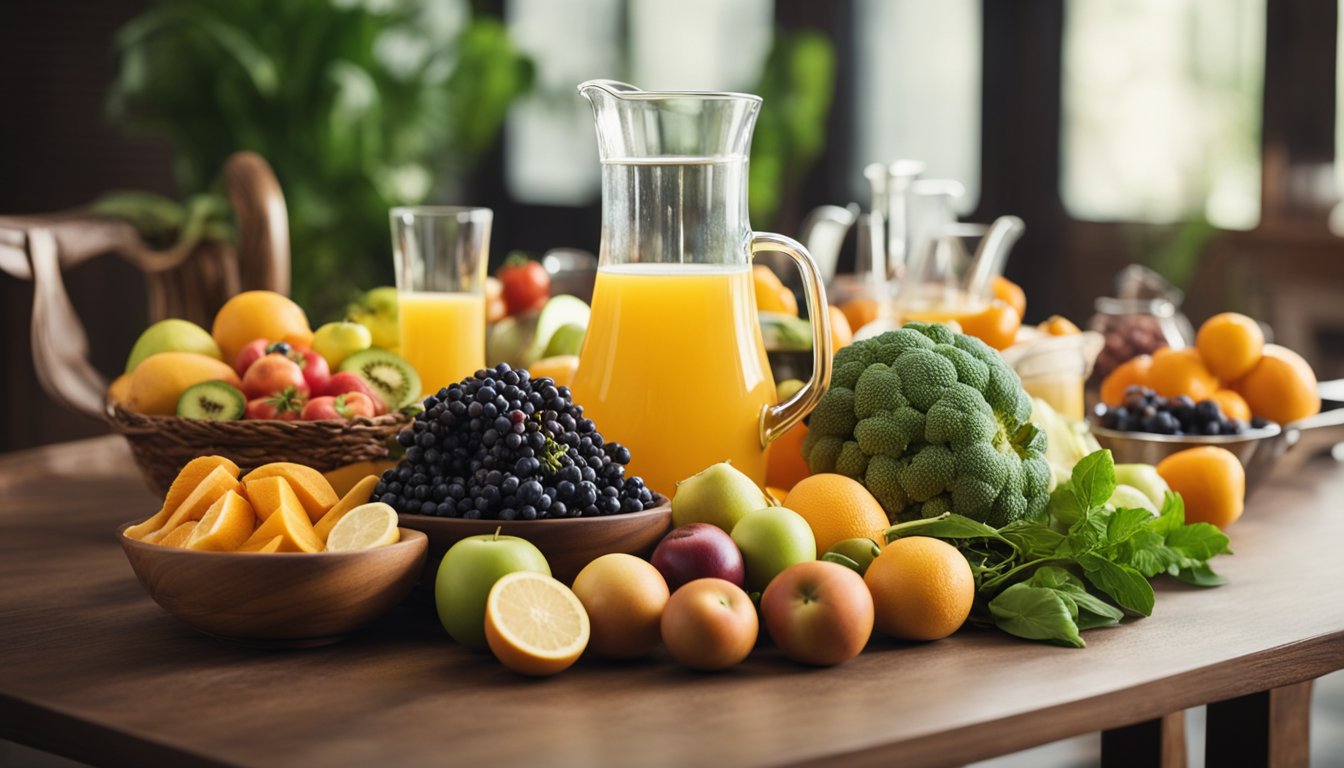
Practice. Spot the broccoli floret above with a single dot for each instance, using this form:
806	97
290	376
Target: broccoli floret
931	421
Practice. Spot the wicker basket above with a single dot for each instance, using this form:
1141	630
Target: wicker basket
164	444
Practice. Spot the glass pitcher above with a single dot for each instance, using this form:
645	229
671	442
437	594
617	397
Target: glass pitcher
673	365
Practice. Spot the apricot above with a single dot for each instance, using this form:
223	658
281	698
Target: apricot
1133	372
1211	481
1178	372
1230	345
159	381
1281	387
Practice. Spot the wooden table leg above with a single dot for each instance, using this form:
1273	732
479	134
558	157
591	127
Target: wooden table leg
1271	728
1159	742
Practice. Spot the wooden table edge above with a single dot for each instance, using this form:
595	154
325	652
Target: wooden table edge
1274	668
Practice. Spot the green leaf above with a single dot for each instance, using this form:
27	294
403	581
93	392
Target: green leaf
1123	584
1035	613
1200	575
1032	540
1093	479
1085	535
945	526
1200	541
1063	505
1172	515
1125	523
1092	611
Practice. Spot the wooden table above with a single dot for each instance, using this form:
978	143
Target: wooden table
92	669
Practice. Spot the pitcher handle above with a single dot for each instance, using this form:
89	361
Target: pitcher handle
776	419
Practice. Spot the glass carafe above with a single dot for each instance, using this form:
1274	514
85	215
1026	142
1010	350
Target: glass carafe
673	365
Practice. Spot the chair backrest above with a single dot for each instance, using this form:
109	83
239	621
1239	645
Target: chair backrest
190	281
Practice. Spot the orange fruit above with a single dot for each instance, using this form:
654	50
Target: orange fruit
1132	372
1281	387
841	334
859	312
255	315
784	463
179	536
226	525
1177	372
1230	345
1010	293
534	624
1211	481
922	588
624	597
183	485
1233	405
309	485
1058	325
771	295
996	326
836	508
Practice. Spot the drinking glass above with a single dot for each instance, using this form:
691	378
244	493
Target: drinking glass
440	255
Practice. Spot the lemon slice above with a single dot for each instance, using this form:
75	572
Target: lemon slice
534	624
364	527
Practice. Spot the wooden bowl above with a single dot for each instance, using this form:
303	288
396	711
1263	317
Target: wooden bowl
568	544
287	599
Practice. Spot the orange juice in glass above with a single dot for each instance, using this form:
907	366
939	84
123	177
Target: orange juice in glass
676	369
441	254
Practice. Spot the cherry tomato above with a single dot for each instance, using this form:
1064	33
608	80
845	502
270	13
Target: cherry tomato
527	286
996	326
346	406
250	353
271	374
315	369
347	381
283	406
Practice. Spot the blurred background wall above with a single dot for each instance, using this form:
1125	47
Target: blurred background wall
1194	136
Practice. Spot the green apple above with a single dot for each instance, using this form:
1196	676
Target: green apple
172	335
377	311
1129	497
719	495
772	539
467	572
1143	477
337	341
567	340
787	388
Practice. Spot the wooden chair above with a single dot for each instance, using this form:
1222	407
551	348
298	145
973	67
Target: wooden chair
190	282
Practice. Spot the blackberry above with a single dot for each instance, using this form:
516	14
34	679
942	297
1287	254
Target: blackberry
1143	410
502	445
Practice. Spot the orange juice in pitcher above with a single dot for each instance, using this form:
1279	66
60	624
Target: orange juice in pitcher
673	365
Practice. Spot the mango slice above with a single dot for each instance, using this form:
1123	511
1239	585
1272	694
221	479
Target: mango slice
178	536
267	494
218	482
225	526
290	522
309	485
358	494
263	546
186	481
344	478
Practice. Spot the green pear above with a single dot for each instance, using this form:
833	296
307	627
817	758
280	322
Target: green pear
173	335
719	495
377	311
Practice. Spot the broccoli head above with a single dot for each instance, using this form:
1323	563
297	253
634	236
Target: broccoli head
931	421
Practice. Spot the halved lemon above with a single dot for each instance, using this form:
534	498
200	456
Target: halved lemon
364	527
534	624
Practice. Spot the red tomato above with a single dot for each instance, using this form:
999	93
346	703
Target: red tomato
346	406
348	381
526	284
271	374
284	406
315	369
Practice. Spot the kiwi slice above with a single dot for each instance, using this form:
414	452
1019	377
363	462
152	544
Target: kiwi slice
212	400
394	379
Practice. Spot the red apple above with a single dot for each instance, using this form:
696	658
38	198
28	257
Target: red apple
271	374
698	551
251	352
348	381
818	612
709	624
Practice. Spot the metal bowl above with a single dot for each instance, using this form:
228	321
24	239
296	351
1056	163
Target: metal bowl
1260	451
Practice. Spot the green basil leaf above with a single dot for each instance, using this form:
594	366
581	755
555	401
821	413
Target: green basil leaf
1123	584
1088	618
1053	577
1093	479
1172	515
1085	535
1035	613
1091	610
945	526
1032	540
1200	575
1150	560
1124	523
1063	505
1198	540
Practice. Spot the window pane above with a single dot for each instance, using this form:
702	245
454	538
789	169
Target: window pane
918	90
550	150
1161	110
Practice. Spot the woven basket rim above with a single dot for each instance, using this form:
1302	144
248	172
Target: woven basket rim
129	422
